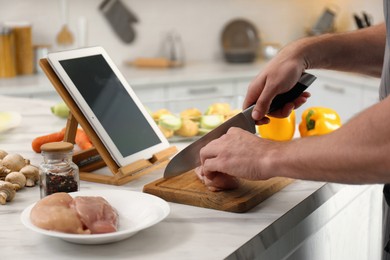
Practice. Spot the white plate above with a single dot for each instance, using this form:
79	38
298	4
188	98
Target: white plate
9	120
136	211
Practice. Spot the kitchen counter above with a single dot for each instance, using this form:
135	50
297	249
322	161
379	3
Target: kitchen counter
148	76
190	73
286	224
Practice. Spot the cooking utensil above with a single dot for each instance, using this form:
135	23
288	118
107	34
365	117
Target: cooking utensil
188	158
358	21
240	41
367	19
172	49
65	36
188	189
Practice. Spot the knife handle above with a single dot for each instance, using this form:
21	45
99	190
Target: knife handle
280	100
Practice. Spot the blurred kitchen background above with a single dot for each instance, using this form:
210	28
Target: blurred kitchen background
199	23
31	28
196	69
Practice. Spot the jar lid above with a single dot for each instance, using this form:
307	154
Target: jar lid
57	147
17	24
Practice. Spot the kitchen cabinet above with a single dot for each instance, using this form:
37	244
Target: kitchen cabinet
152	96
199	94
242	86
342	96
346	93
179	96
177	90
370	96
353	233
46	95
31	86
201	89
342	235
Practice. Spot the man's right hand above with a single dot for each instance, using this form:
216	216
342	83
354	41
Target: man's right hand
278	77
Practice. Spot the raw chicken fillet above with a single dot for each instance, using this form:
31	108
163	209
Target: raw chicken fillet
80	215
96	214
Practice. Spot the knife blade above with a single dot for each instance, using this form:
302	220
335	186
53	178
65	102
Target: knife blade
189	157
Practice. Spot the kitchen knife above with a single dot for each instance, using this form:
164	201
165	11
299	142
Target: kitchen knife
358	21
367	19
189	158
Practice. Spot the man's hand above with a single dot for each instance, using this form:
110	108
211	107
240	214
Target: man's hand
279	76
237	153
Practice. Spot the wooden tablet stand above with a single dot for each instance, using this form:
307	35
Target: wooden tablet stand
98	156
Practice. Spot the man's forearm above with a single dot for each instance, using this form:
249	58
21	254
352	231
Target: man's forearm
358	51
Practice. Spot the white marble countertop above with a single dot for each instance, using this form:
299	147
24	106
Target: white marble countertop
187	233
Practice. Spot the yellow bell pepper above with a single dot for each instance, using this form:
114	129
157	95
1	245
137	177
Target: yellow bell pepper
319	121
278	129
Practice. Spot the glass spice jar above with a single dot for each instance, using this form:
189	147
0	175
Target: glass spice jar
57	172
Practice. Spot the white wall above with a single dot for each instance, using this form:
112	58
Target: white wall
198	21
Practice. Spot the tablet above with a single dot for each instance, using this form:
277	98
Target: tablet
108	103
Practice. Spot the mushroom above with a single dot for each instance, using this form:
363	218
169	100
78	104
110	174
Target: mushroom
31	173
2	154
7	192
14	162
17	179
3	172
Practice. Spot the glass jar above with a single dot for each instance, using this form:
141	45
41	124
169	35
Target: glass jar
24	55
57	172
7	53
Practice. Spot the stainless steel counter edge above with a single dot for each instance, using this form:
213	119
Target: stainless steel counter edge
268	243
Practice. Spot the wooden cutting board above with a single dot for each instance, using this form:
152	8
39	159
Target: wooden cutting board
188	189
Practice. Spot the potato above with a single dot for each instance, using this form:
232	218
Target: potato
163	111
166	132
218	109
188	128
191	113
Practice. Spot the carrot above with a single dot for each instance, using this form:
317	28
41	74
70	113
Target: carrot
49	138
82	140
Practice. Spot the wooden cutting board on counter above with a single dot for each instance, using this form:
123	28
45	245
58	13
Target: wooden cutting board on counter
188	189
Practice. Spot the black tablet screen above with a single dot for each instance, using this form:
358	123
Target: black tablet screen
111	103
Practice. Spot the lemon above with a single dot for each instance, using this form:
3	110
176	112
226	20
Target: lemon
9	120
